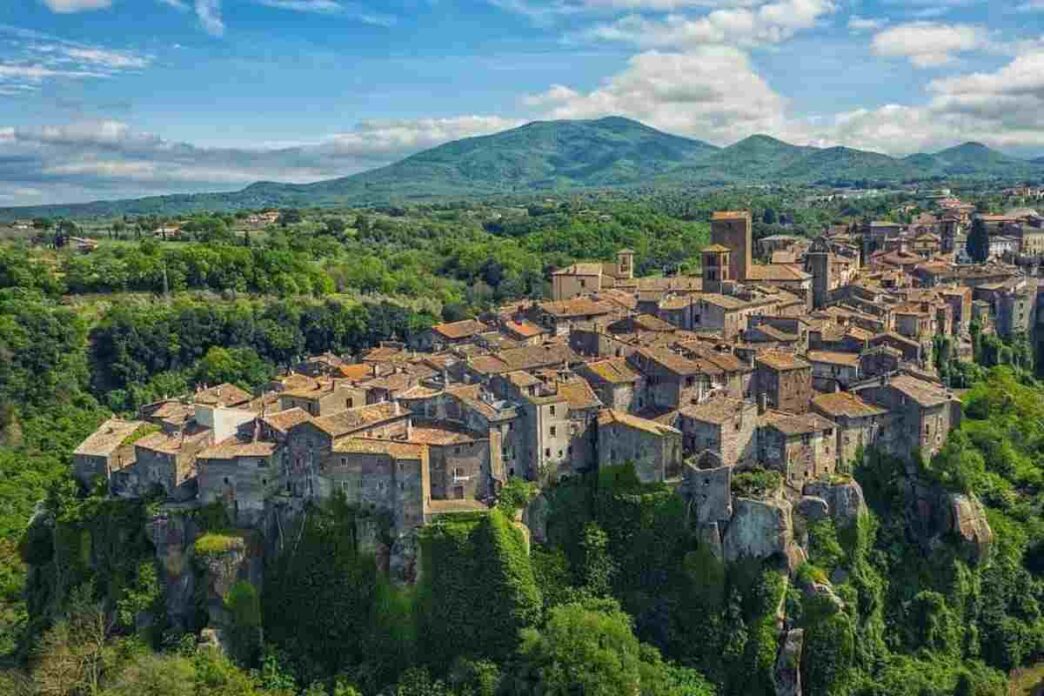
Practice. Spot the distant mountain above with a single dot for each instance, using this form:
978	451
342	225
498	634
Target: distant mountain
552	156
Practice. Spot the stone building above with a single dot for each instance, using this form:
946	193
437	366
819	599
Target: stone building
616	383
323	397
724	425
166	462
308	441
242	475
858	423
591	276
833	371
920	413
108	449
458	461
784	381
671	380
654	449
388	475
801	447
732	230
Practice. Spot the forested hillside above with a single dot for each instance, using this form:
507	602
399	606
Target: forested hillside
612	154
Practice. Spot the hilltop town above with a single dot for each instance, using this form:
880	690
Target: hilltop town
796	366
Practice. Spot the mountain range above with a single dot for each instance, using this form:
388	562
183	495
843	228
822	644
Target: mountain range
554	156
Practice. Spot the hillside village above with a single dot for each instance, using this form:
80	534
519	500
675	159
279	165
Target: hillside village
796	366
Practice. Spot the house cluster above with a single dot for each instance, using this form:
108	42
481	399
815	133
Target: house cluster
793	366
1019	233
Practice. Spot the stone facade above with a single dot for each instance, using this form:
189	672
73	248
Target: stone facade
654	449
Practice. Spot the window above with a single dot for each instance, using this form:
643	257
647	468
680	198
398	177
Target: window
456	450
349	402
547	452
554	431
551	410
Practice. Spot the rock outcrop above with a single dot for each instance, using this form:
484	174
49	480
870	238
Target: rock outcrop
813	508
172	536
844	499
535	517
967	519
758	529
786	675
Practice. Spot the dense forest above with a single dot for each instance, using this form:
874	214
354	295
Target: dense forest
621	598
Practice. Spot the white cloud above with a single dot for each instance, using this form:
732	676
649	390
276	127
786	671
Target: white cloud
116	60
390	138
769	23
209	14
1003	108
711	92
860	24
927	44
69	6
29	58
107	158
345	8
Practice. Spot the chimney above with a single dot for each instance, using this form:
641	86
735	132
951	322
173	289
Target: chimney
762	403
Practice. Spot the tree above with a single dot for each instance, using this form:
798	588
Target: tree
589	648
289	216
978	244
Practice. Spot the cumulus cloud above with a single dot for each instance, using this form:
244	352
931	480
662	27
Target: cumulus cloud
927	44
1003	108
711	91
107	158
768	23
69	6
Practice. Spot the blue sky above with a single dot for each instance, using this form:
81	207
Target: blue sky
104	98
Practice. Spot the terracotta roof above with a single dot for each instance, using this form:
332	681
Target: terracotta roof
730	215
778	360
524	328
776	272
790	424
460	329
833	358
584	268
353	419
717	410
356	371
284	420
613	371
233	448
845	404
671	361
648	322
608	417
395	449
108	437
296	380
169	444
441	436
924	393
222	395
726	302
715	248
577	307
578	394
524	358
